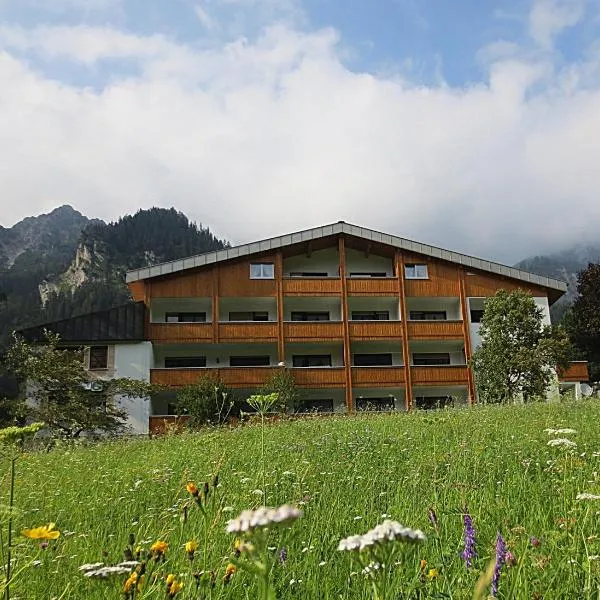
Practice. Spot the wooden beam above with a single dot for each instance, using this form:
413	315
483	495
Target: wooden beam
466	334
347	353
215	304
399	260
279	278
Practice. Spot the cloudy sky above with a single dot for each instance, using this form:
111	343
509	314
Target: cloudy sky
473	125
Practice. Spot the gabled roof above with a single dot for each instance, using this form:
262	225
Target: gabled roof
341	227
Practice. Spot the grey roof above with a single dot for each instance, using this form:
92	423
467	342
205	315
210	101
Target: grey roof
281	241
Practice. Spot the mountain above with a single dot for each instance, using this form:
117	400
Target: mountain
62	264
563	265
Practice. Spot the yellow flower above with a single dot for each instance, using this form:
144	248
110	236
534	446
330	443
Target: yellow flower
176	586
45	532
170	579
130	583
192	489
191	546
230	570
432	574
422	564
159	548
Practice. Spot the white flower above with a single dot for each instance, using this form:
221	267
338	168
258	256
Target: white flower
91	566
129	564
350	543
249	520
562	442
372	567
108	571
322	563
587	496
388	531
567	430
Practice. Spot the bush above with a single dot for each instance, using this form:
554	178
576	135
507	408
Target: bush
283	384
207	402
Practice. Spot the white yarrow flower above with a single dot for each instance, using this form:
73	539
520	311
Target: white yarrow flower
248	520
587	496
565	431
91	566
562	442
388	531
108	571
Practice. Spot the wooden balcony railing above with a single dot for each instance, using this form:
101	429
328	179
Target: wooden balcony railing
439	375
303	331
307	286
378	376
256	331
372	286
576	371
440	330
236	377
375	330
175	333
316	377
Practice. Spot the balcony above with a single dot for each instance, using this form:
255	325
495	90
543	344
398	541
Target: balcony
235	377
175	333
375	330
439	375
576	371
248	331
375	377
372	286
312	286
311	331
318	377
435	330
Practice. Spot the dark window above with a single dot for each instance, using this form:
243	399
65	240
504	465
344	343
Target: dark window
377	404
249	361
415	271
308	274
311	360
370	315
173	409
322	405
262	271
184	362
256	315
309	316
433	402
367	274
476	316
372	360
431	358
427	315
185	317
98	358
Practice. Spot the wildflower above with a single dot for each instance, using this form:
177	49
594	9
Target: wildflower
229	572
511	559
501	551
587	496
422	564
192	489
91	566
372	568
130	582
565	431
170	579
469	552
158	549
263	517
388	531
174	587
104	572
45	532
190	548
431	514
432	574
282	555
535	542
562	442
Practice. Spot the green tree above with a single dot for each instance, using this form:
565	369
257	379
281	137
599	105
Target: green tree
53	380
518	354
583	321
206	402
283	384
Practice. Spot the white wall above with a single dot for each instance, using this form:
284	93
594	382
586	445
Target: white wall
388	303
359	261
318	304
336	351
227	305
216	356
160	306
325	261
543	304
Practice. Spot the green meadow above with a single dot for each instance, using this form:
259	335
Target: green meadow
347	474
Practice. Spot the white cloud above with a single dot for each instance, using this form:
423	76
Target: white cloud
208	22
265	137
548	18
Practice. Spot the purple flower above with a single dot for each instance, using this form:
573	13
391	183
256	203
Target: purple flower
282	555
535	542
469	552
501	552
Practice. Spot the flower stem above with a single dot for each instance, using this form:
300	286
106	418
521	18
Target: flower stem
10	522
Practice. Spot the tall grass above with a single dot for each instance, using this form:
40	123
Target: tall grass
347	474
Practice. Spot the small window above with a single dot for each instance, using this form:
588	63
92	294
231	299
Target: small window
311	360
433	402
430	358
428	315
255	315
376	404
476	316
184	362
308	274
414	271
187	317
370	315
309	316
367	274
262	271
249	361
372	360
98	358
322	405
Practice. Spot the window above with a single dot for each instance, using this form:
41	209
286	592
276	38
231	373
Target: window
184	362
476	316
309	316
174	410
308	274
311	360
370	315
249	361
377	404
431	358
262	271
415	271
323	405
98	358
255	315
372	360
433	402
427	315
367	274
185	317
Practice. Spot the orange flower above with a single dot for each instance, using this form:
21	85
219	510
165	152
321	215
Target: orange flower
159	548
422	564
130	583
45	532
175	587
192	489
231	569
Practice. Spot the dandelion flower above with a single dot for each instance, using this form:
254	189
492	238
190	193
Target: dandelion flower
159	548
432	574
229	572
191	547
45	532
175	588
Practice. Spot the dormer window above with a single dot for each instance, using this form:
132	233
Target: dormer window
262	271
98	358
415	271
